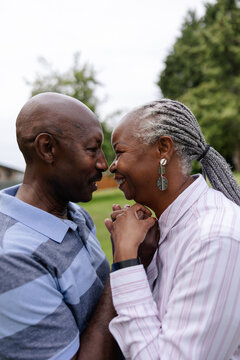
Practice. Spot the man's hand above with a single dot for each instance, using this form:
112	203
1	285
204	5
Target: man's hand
148	247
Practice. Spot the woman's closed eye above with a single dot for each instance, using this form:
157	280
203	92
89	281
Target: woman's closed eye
118	153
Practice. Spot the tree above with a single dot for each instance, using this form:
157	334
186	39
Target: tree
79	82
179	74
203	71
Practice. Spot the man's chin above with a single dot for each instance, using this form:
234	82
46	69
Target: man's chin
87	194
86	198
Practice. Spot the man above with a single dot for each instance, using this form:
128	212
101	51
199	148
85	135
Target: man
52	268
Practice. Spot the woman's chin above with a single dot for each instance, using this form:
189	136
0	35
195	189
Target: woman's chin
124	188
127	195
131	196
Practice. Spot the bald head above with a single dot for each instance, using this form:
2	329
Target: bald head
54	114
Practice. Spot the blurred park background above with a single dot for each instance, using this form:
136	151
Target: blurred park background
100	208
201	68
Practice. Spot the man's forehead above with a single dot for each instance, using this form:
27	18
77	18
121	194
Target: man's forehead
87	121
89	132
77	122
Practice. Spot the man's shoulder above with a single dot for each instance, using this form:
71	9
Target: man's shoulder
16	237
80	211
7	223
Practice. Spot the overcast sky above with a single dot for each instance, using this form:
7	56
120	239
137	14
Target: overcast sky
125	41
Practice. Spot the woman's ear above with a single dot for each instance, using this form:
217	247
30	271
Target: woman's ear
45	146
165	147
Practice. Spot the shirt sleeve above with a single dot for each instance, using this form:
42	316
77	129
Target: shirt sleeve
35	322
201	319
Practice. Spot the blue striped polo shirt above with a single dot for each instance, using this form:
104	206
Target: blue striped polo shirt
52	273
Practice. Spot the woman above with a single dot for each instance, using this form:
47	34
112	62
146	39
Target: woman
187	304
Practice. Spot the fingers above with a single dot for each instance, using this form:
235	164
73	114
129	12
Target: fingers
142	215
116	213
149	223
108	223
141	212
143	208
116	207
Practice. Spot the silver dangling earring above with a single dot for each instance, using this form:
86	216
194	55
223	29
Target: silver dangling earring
162	182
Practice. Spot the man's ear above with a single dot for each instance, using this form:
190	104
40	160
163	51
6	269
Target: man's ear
165	147
45	146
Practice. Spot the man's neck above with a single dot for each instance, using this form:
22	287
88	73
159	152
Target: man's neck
43	199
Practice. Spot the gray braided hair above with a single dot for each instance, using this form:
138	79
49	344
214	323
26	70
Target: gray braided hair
172	118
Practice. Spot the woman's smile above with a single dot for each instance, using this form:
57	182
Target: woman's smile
120	181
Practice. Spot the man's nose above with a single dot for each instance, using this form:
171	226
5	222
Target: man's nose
102	162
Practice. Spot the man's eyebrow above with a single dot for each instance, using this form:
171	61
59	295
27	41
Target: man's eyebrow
97	140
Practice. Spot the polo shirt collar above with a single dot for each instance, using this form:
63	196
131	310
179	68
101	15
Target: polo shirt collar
36	219
180	205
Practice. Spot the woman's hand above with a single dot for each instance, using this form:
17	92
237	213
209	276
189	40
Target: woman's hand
149	245
128	229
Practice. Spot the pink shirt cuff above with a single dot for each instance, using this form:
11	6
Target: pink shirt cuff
130	287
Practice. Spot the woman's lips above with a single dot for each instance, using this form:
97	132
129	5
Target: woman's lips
119	181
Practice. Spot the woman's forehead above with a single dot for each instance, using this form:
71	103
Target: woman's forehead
129	122
123	135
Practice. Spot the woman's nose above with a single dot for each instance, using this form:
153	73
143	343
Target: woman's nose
113	166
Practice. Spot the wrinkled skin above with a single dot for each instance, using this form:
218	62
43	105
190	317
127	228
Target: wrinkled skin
138	218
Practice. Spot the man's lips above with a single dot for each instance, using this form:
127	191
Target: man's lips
95	178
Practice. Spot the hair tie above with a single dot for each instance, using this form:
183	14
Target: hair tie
204	152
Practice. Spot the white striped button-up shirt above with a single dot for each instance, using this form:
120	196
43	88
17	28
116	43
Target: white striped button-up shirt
187	306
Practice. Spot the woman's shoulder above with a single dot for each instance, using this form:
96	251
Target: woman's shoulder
217	216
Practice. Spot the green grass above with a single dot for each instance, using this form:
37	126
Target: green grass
237	176
100	208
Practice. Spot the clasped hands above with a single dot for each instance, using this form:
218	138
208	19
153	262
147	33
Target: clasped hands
134	232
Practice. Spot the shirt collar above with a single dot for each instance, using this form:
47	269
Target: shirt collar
180	205
36	219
